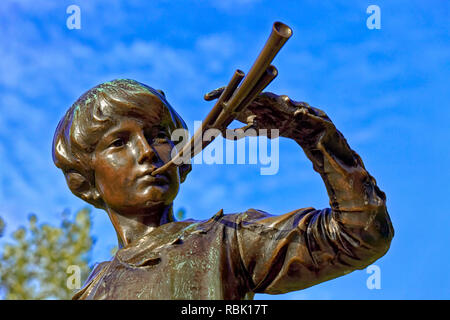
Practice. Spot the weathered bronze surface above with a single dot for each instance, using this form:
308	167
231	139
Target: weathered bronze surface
114	137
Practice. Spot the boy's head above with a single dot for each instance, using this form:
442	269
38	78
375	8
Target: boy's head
109	140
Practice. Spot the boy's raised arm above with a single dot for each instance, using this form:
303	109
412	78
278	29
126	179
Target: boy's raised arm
305	247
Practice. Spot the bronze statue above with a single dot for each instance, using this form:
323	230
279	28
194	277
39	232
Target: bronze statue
109	146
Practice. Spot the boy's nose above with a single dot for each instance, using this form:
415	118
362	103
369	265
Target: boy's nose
146	152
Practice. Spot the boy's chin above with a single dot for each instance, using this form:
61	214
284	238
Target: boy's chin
158	193
149	204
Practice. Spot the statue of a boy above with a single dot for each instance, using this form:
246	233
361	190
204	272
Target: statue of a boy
117	133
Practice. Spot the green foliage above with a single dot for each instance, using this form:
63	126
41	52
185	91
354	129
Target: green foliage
33	264
2	227
181	214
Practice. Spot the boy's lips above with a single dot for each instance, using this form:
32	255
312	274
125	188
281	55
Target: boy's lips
147	176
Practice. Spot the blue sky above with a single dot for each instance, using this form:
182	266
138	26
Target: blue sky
386	90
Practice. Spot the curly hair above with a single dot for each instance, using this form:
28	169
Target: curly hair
86	121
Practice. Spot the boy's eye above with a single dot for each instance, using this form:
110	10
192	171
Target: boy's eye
117	143
160	138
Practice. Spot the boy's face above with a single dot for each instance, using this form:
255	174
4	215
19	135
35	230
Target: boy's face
123	160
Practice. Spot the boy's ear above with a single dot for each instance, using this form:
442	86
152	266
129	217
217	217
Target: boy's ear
82	188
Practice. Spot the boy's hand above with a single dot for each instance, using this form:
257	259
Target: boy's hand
295	120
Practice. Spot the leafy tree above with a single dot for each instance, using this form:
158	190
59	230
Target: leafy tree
34	263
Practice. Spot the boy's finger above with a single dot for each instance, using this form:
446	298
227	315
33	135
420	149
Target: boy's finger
214	94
